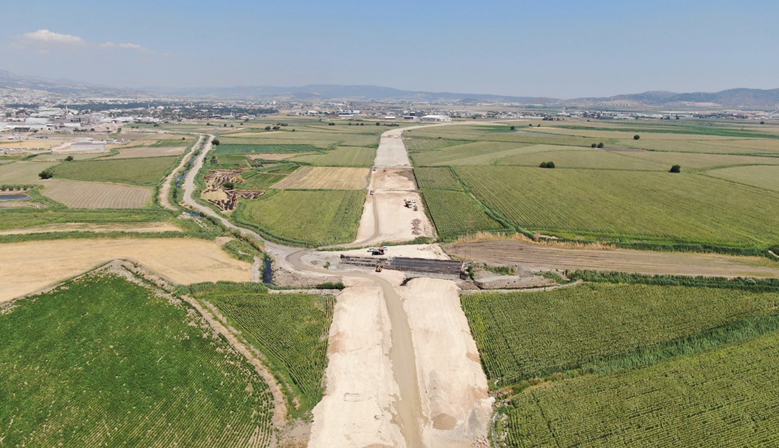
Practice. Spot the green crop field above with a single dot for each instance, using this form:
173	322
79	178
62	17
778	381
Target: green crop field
633	205
105	362
725	398
524	335
14	218
438	178
229	149
291	330
567	157
141	171
766	177
256	180
455	213
305	217
344	156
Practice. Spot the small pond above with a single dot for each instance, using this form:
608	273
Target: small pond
14	197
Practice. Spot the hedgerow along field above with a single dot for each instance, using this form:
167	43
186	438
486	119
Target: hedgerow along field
104	361
304	217
291	330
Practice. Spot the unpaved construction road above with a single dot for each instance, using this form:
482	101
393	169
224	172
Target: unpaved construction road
374	396
548	257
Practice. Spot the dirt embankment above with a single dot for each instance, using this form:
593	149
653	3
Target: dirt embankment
357	408
548	257
454	388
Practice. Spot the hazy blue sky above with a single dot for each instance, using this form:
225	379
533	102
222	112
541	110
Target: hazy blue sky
539	48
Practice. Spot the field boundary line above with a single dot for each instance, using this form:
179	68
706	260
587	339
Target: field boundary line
466	292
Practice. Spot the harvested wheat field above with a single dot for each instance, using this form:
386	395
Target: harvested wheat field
135	227
149	151
30	266
326	178
75	194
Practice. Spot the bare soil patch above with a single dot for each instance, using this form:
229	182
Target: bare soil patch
548	257
29	266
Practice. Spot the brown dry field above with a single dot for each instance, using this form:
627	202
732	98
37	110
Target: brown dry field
32	143
128	153
546	257
135	227
31	266
326	178
75	194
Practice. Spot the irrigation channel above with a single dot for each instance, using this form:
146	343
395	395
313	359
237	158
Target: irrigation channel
408	406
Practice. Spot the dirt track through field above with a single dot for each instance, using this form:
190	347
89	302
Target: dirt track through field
168	183
542	257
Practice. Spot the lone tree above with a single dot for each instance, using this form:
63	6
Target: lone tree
48	173
215	142
600	145
594	145
513	128
636	137
69	158
547	165
675	169
228	185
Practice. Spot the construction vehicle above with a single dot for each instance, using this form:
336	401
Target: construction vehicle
377	250
378	268
409	203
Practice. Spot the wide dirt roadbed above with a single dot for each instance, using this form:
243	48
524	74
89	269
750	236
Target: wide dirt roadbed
357	408
30	266
542	257
454	391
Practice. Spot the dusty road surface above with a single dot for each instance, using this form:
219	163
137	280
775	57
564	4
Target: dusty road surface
391	151
385	216
543	257
30	266
357	409
168	184
455	394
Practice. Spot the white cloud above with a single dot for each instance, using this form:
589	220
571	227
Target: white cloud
45	38
127	46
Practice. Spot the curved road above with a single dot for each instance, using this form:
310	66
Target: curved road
409	405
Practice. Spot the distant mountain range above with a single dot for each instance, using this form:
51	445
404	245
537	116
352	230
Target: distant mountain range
747	99
14	83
